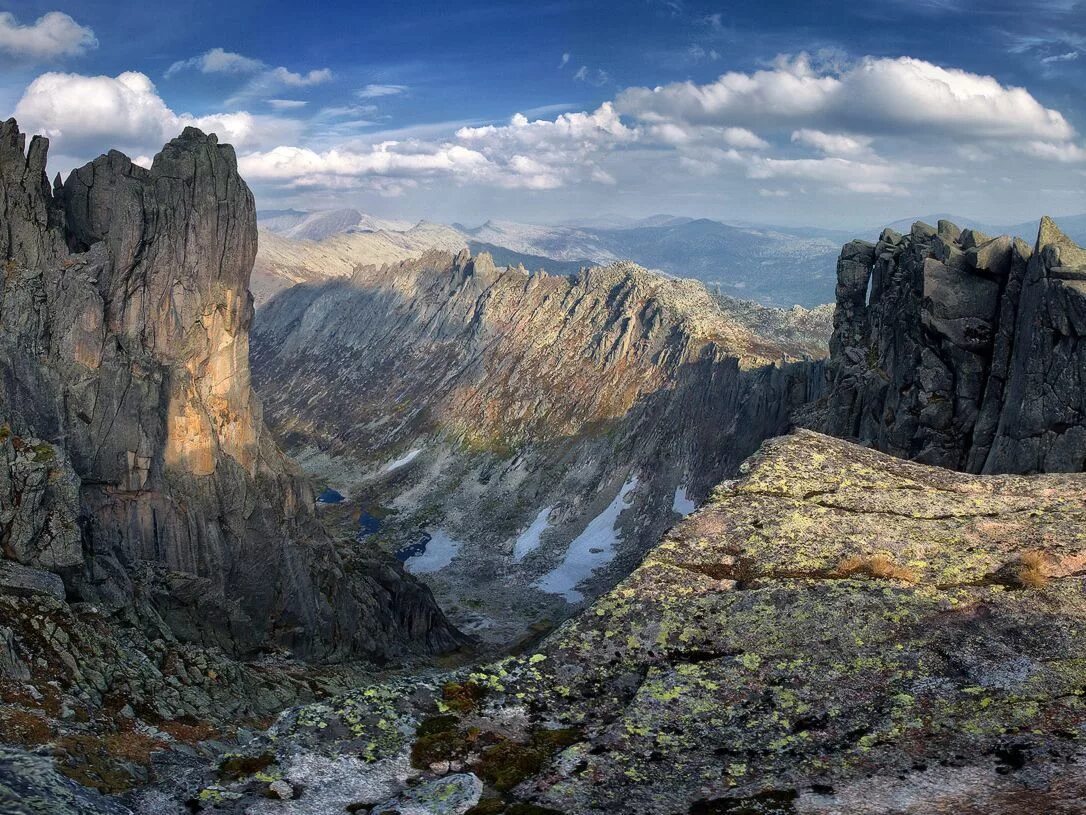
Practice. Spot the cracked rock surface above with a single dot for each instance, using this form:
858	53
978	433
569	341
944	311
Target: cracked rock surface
138	467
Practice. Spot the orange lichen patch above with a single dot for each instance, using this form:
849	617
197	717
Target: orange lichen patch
879	567
189	733
47	700
105	762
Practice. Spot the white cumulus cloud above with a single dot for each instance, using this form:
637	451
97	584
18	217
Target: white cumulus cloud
85	115
52	35
874	96
833	144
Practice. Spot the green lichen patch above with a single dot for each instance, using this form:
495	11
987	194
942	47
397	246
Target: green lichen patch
508	763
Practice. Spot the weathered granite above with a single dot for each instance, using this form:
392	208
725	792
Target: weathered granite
956	349
138	467
836	631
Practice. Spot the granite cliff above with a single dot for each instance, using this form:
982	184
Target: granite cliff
961	350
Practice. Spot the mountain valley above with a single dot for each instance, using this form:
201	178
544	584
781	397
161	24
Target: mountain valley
543	431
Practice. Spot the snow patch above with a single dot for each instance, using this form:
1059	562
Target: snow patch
681	504
439	551
403	461
593	548
529	539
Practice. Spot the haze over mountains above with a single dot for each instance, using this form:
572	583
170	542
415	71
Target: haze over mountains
775	266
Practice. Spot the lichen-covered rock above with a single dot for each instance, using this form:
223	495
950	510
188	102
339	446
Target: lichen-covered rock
450	795
836	631
39	505
134	461
960	350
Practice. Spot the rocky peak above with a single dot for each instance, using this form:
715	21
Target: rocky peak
124	361
957	349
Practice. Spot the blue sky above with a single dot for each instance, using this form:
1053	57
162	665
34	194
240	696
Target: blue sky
833	114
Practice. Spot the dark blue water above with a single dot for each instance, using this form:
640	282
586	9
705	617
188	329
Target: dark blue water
413	549
367	524
329	496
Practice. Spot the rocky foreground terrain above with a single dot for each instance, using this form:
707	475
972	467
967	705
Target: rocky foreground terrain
521	439
837	631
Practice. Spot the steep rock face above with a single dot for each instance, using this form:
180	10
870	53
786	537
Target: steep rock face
506	414
960	350
125	318
837	631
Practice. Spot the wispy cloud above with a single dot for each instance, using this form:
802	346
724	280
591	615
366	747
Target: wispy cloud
375	91
1069	56
287	104
593	76
263	79
216	61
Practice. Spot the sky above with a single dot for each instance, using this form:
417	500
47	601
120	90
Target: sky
832	114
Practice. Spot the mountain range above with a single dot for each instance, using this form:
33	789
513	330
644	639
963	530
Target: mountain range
776	266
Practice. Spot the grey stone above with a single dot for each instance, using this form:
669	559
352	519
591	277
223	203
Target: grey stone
450	795
980	368
31	785
129	430
22	581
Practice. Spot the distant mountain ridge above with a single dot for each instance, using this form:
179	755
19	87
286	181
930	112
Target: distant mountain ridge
315	226
772	265
776	266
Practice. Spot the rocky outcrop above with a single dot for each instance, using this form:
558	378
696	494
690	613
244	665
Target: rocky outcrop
136	462
836	631
508	414
961	350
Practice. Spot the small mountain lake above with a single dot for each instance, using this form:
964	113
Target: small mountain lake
368	524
